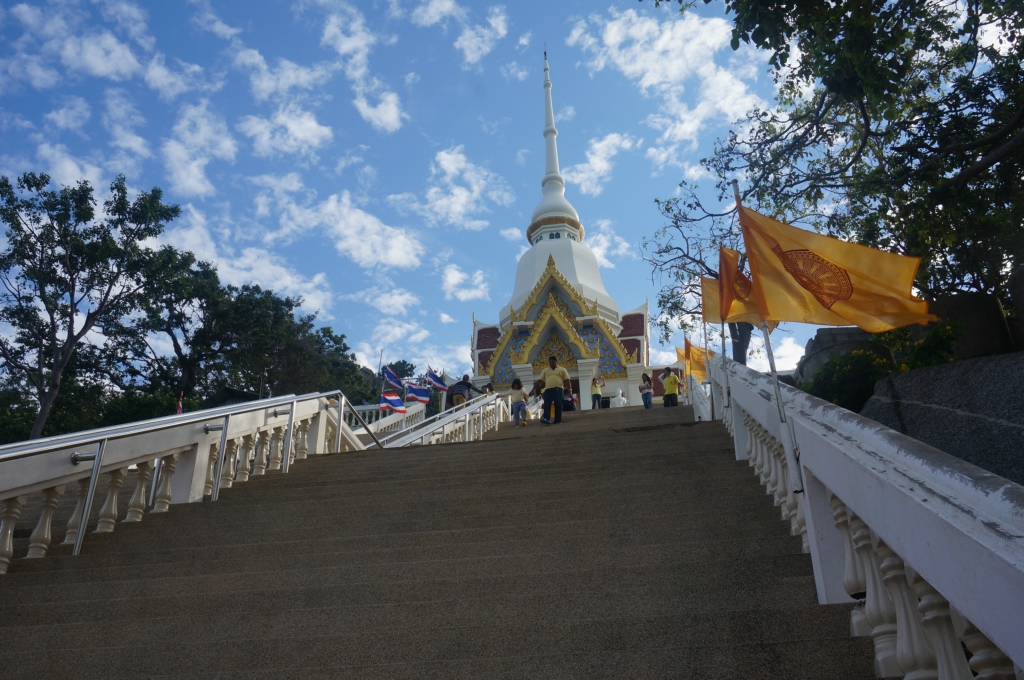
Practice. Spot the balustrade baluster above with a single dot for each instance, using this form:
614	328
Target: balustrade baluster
275	448
913	653
227	472
263	441
39	541
137	504
987	660
853	569
76	517
108	513
211	468
302	441
163	492
242	474
10	516
878	609
949	654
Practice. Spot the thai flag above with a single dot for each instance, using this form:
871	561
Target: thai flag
420	393
391	378
389	401
180	397
435	381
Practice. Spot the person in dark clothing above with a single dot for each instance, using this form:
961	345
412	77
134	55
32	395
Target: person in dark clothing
460	391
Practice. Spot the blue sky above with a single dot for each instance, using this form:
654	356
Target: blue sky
379	159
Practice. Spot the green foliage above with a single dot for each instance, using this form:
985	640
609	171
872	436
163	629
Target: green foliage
900	126
66	271
848	380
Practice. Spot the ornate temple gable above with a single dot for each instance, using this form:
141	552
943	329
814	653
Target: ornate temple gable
633	326
551	272
555	347
627	357
487	337
554	314
509	342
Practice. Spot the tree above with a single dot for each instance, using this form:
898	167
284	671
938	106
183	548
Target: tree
67	272
899	125
683	251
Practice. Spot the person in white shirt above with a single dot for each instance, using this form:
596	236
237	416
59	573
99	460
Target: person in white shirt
618	401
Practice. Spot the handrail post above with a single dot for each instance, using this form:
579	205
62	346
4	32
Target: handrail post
157	469
341	422
222	451
93	478
286	459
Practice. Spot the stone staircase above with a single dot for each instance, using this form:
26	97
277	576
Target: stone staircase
621	544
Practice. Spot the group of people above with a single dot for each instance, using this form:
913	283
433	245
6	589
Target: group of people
554	384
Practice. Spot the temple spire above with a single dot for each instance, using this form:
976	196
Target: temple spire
553	206
551	172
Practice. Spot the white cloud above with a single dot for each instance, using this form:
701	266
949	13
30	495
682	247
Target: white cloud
357	234
595	173
405	340
170	83
347	160
65	168
521	156
476	42
72	116
267	81
289	130
462	286
524	41
30	68
390	301
411	78
660	358
199	136
458	190
120	120
513	70
512	234
664	58
567	113
431	12
131	19
444	318
207	20
606	244
386	116
249	265
99	54
787	354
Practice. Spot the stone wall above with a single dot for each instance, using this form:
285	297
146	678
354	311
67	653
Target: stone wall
972	409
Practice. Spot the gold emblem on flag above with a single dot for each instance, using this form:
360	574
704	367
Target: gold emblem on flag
742	286
827	282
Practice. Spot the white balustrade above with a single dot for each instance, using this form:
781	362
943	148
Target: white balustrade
915	539
39	541
187	447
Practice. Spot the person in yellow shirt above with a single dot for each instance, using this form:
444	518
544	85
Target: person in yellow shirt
595	392
671	382
555	380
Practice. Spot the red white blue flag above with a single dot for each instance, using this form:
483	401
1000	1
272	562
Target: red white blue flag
180	397
420	393
389	401
435	380
391	378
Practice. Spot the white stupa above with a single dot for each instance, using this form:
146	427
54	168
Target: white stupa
559	305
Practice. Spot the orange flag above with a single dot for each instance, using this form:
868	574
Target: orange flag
803	276
709	300
736	302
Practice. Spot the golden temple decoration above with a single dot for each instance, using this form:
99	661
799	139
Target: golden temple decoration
549	221
551	311
557	348
551	272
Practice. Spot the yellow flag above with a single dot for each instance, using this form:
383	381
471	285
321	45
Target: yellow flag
802	276
736	300
698	362
709	300
684	363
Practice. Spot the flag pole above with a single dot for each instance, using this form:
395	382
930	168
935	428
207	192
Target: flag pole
725	369
764	327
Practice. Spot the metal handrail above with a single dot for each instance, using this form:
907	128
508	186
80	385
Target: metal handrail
61	441
415	426
450	417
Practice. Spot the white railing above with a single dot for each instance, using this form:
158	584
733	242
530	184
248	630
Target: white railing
698	399
376	421
180	458
466	422
929	546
